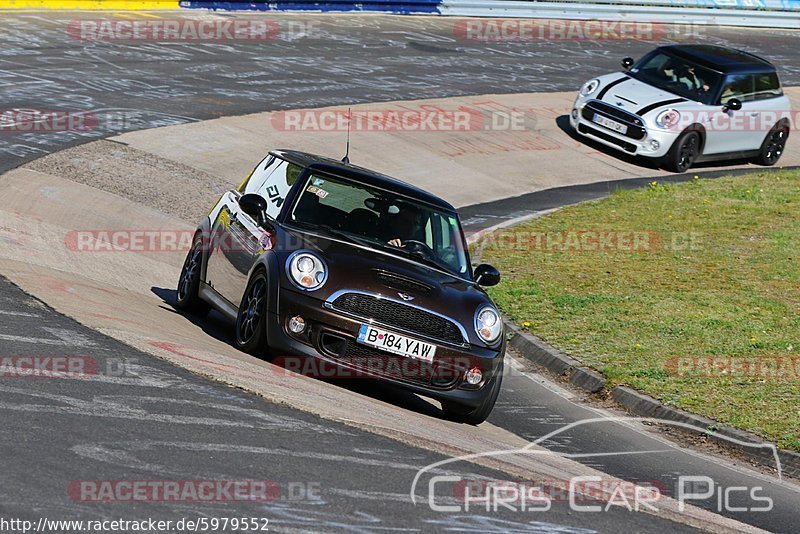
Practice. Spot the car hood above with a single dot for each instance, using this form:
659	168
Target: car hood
353	267
633	95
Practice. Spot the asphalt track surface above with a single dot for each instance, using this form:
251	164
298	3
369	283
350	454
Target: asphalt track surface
313	61
132	417
153	423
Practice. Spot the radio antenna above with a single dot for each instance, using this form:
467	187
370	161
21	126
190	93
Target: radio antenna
346	158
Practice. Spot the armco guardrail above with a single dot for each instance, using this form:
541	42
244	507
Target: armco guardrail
750	13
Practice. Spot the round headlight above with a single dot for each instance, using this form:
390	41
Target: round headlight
307	271
668	119
488	324
590	87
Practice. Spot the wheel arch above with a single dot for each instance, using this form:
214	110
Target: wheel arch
701	131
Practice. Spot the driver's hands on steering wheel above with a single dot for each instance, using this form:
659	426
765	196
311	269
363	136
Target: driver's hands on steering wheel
396	242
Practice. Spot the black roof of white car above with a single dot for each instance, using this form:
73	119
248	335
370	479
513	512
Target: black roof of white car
721	59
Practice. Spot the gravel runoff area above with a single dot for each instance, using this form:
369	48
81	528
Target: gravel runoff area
167	186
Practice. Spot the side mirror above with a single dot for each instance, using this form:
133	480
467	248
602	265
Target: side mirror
627	63
734	104
255	206
486	275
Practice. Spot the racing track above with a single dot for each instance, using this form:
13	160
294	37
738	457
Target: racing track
127	296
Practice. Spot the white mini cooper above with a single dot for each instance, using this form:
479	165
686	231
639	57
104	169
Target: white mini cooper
683	104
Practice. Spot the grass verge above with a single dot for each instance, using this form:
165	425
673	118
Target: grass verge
689	293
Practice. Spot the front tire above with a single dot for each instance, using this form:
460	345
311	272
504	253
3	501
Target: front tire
684	152
475	416
774	144
251	330
187	293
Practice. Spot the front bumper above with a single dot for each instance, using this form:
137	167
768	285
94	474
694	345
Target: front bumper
654	145
330	337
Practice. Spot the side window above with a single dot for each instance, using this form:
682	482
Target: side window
767	86
738	86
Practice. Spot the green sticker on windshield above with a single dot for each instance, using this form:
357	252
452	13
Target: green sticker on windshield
452	220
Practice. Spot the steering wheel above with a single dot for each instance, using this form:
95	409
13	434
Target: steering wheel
418	246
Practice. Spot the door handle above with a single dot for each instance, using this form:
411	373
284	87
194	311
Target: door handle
754	113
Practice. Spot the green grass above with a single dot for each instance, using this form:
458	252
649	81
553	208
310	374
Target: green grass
717	275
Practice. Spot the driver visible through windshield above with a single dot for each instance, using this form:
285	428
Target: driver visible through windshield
377	217
678	76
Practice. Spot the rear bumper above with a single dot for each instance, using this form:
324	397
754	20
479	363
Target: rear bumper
330	337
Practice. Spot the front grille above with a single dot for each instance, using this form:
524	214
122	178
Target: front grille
391	313
402	283
635	124
378	362
626	146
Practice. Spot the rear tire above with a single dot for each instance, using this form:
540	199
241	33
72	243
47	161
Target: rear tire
251	321
476	415
187	294
684	152
774	144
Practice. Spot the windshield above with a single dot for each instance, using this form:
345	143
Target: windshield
678	76
378	218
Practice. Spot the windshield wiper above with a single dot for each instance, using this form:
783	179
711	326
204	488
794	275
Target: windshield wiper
421	257
335	232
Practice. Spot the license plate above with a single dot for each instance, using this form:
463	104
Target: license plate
396	343
610	124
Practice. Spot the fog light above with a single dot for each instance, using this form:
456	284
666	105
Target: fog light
473	376
297	324
574	113
655	145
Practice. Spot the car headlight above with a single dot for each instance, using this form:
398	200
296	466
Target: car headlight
488	324
590	87
306	270
668	119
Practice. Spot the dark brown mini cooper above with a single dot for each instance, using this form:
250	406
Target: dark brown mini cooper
312	257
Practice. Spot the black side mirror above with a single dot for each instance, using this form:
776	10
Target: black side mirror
734	104
255	206
627	63
486	275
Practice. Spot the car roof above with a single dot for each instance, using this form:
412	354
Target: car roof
721	58
362	175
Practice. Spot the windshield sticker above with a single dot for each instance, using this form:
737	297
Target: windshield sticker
321	193
317	181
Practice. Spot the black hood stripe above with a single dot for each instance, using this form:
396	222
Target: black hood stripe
651	107
605	89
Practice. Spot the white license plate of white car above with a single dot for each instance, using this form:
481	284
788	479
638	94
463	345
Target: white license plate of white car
610	124
396	343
